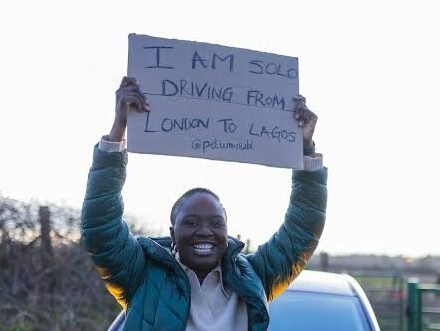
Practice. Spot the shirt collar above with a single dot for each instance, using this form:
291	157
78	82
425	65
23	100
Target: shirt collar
217	269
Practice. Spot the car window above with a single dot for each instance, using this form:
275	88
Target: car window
305	311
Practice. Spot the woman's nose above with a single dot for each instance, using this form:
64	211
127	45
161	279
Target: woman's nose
204	230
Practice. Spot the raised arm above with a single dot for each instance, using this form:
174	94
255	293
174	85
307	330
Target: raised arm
279	261
118	257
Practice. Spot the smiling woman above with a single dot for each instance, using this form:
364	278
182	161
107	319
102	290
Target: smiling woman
199	231
197	278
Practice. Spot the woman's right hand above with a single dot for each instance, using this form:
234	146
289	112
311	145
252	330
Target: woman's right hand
128	98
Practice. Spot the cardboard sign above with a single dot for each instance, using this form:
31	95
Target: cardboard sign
215	102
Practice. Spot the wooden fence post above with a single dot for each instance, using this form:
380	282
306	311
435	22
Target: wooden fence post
46	242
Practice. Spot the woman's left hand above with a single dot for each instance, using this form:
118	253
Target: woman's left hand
306	119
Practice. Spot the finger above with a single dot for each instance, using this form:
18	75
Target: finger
129	89
300	111
121	92
131	102
304	115
299	97
298	103
135	89
136	102
309	119
127	81
312	117
147	105
143	100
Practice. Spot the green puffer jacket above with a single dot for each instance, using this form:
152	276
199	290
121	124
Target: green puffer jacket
147	281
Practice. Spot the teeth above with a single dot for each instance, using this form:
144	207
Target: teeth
203	249
203	246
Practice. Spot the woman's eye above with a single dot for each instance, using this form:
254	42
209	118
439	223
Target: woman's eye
219	223
191	222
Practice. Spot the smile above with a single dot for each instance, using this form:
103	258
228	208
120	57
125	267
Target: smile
203	248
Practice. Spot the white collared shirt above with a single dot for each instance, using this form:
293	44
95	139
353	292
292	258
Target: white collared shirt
214	307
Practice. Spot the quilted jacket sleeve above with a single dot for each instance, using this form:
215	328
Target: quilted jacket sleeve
279	261
116	253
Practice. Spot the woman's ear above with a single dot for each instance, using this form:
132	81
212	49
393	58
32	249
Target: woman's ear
172	234
173	241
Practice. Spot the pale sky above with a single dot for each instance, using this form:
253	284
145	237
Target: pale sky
369	69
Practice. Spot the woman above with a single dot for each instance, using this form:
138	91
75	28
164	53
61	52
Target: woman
196	279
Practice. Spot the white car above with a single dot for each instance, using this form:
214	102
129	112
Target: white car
322	301
315	301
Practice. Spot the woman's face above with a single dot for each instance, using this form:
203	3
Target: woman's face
200	232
